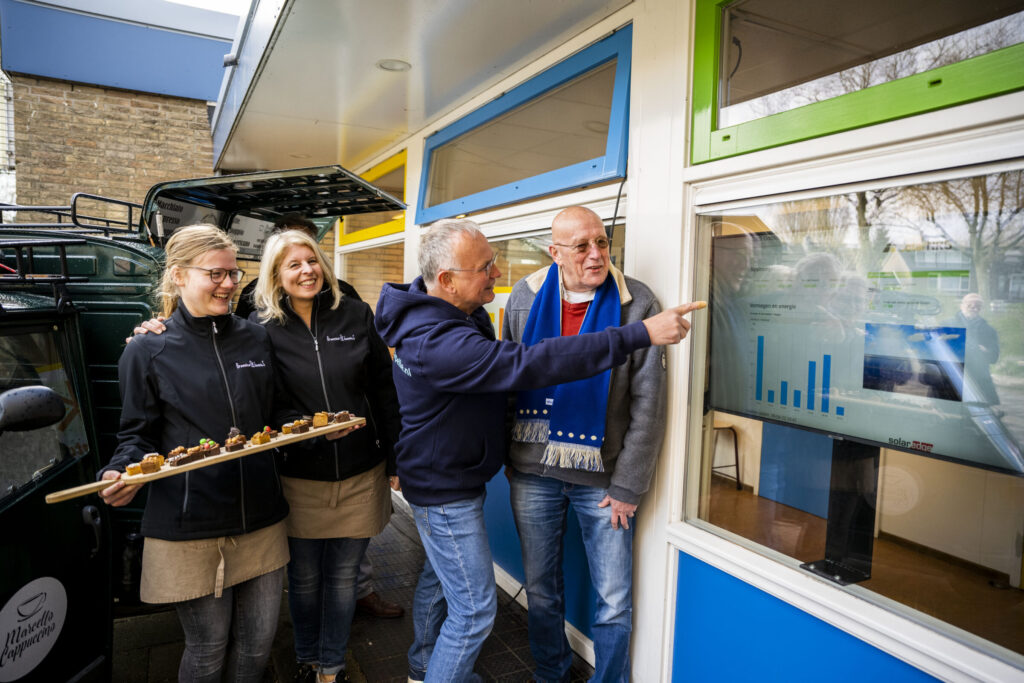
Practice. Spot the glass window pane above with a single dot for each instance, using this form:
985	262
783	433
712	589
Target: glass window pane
866	379
562	127
367	270
33	359
519	257
778	56
393	183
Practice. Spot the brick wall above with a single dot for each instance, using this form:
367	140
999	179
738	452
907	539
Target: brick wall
71	137
368	270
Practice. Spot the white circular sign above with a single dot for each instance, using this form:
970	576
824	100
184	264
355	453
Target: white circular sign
30	623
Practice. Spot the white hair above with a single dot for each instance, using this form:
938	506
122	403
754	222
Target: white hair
436	245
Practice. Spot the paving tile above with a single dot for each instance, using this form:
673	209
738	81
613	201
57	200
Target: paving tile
391	668
493	645
525	656
503	666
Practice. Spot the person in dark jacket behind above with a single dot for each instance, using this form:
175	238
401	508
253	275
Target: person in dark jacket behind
215	543
453	380
328	357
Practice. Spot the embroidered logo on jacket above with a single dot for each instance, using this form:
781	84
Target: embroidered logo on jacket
250	364
398	362
341	338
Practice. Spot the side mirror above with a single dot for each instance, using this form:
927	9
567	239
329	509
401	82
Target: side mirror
27	408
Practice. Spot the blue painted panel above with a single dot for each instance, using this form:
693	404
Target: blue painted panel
611	165
796	468
580	598
727	630
501	528
47	42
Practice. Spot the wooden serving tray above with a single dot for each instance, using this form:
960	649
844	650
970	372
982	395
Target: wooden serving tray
168	471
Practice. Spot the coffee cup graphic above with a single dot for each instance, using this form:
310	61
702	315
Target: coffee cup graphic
30	607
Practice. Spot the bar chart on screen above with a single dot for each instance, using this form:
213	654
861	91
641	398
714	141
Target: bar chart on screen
815	392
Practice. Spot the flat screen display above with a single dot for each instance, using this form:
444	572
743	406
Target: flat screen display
883	342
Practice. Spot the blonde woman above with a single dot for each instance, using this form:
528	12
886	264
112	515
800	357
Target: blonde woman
329	357
215	541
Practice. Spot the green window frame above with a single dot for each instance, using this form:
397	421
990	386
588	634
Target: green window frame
977	78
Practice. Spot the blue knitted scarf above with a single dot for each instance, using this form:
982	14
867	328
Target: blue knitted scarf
568	417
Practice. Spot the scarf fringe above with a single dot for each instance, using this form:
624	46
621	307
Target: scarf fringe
530	431
573	456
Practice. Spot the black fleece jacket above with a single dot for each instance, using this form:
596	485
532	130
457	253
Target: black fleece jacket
198	379
337	363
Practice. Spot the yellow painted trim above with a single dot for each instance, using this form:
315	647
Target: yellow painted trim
502	290
390	228
373	173
385	167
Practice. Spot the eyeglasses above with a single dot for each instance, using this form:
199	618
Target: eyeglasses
217	274
485	269
601	243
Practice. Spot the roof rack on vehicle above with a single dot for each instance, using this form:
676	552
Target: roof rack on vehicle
23	272
71	219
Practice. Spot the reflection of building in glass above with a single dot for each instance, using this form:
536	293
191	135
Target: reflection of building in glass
1007	276
946	270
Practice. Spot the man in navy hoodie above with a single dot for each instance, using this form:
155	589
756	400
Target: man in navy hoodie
453	379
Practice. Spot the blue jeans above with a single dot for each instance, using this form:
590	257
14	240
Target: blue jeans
456	597
322	597
244	617
540	505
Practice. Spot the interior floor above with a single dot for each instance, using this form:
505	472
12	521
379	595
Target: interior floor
964	596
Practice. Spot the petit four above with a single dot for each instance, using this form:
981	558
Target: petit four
152	463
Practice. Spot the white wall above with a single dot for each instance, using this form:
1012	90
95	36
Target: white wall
966	512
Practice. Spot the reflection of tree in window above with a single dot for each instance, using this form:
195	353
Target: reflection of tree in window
979	216
778	58
17	368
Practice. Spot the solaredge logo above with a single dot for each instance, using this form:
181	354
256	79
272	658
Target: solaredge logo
30	623
915	445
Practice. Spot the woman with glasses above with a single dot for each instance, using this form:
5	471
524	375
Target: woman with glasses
215	538
329	357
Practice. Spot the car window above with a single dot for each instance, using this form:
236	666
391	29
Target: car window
32	359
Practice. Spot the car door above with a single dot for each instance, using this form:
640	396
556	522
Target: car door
55	602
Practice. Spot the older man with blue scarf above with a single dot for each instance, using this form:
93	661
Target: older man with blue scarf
592	443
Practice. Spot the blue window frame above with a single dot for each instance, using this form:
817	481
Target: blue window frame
610	166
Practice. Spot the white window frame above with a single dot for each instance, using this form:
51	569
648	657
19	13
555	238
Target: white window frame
922	641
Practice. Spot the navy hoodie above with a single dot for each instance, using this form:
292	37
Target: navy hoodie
453	378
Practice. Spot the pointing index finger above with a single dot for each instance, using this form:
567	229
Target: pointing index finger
692	306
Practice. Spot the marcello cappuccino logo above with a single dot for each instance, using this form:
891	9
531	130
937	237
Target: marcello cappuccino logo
30	623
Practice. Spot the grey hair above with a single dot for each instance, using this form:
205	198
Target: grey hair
436	245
